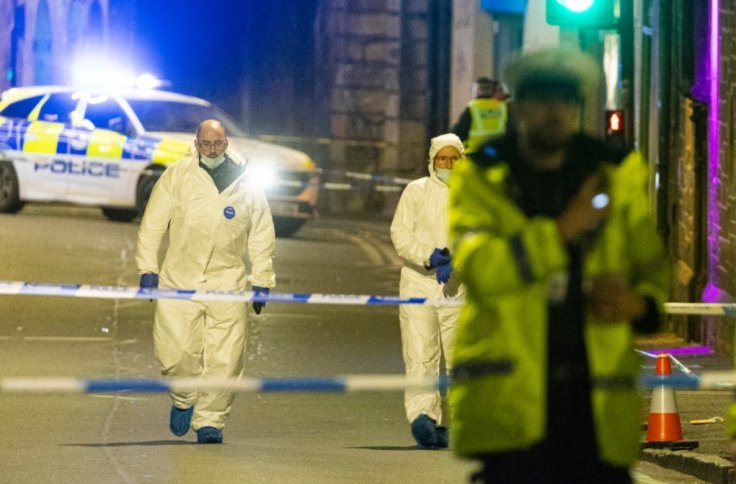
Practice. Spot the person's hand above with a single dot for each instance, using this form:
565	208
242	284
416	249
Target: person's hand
581	215
611	299
149	281
439	257
443	273
259	291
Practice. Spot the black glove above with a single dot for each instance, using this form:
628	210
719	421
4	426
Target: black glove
149	281
259	291
439	257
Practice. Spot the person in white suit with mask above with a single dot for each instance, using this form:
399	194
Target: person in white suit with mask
419	235
219	226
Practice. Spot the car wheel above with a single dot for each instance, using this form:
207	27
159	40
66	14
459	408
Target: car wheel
9	188
145	187
119	214
286	227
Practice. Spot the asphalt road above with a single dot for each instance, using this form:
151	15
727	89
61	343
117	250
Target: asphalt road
285	437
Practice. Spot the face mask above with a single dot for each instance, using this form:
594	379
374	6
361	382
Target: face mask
212	163
443	174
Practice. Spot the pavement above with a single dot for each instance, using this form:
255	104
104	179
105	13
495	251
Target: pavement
702	417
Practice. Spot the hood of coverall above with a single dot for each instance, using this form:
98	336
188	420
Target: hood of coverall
439	142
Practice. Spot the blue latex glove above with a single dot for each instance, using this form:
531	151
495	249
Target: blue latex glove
258	305
149	281
439	257
443	273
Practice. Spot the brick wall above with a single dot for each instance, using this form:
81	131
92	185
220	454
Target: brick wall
722	271
682	245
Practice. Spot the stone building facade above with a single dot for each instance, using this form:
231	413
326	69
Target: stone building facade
374	83
692	141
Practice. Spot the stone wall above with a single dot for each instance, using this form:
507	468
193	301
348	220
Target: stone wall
375	79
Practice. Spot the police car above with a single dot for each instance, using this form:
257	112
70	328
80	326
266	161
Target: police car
107	149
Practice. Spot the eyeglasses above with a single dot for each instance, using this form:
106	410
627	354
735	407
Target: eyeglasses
220	143
446	160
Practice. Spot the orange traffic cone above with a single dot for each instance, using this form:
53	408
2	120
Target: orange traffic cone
664	429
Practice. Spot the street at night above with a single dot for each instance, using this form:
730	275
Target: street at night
270	437
550	183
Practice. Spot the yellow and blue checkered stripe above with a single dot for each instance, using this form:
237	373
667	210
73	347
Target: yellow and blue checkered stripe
48	138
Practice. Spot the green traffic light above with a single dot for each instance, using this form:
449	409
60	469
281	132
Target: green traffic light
576	5
579	14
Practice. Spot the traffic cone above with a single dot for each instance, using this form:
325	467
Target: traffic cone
664	428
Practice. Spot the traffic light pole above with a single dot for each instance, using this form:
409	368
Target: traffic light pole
626	35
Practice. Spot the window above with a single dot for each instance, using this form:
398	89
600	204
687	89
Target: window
22	108
106	113
58	108
179	117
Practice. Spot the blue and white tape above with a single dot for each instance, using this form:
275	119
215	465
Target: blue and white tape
20	288
340	384
713	380
703	309
23	288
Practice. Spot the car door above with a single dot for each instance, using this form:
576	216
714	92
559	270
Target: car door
99	173
42	163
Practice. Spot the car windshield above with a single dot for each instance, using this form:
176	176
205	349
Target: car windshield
179	117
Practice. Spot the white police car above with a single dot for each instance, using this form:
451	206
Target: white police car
61	144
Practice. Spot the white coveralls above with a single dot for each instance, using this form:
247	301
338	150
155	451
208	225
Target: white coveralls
211	237
427	332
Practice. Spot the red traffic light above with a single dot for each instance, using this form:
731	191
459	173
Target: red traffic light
616	127
614	121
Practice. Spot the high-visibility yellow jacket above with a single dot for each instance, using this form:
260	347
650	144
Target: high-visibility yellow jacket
502	335
488	118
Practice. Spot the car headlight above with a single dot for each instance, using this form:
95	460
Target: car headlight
263	176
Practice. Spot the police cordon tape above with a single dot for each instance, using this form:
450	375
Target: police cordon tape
713	380
19	288
22	288
701	309
707	380
284	139
379	183
368	177
339	384
338	186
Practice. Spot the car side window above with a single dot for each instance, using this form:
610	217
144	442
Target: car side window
22	108
107	114
58	108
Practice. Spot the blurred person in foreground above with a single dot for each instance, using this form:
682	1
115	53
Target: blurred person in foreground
484	117
217	220
555	241
419	234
